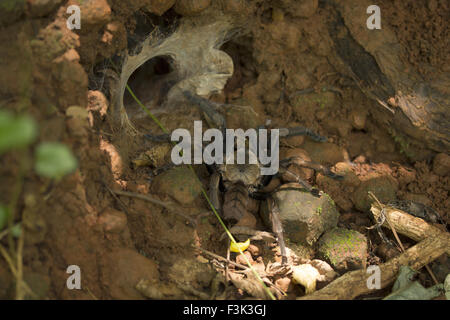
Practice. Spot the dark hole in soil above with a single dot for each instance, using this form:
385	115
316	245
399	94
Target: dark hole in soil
150	83
240	50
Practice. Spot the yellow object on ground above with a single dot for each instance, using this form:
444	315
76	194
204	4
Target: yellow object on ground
234	247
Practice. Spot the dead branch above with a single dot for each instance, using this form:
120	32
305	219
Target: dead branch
354	283
433	243
410	226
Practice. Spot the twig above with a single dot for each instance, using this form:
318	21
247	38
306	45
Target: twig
220	258
13	269
354	283
157	202
383	213
124	207
19	276
228	259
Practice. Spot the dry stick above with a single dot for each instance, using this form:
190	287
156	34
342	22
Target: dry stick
155	201
235	264
13	269
354	283
19	276
410	226
212	254
228	259
433	243
383	209
124	207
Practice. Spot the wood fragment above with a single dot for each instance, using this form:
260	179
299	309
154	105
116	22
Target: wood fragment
394	231
354	283
433	243
415	228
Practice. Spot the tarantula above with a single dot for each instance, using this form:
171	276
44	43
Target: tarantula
241	184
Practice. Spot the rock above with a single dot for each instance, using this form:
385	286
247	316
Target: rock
346	169
97	102
303	252
240	259
112	220
158	7
384	187
405	175
340	190
304	217
326	271
191	7
40	8
345	249
358	119
95	12
441	164
337	190
254	250
303	173
360	159
114	38
192	272
180	183
283	283
123	269
325	153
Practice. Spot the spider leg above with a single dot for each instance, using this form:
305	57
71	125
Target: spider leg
277	228
311	165
158	137
301	131
305	184
210	109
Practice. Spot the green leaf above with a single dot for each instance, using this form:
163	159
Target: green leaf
54	160
16	230
3	216
16	131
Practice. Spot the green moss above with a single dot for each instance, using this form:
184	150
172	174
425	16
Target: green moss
319	210
340	242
